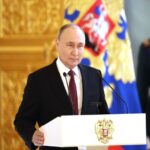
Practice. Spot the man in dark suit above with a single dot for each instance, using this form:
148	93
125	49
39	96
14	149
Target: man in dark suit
46	93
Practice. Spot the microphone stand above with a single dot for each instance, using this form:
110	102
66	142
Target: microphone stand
116	94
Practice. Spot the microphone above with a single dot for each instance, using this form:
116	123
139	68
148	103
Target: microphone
122	100
65	75
97	104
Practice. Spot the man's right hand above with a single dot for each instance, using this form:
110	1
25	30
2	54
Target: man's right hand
38	138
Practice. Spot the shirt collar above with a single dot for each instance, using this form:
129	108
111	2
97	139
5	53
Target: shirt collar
62	68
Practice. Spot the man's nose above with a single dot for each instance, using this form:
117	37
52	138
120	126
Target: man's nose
75	51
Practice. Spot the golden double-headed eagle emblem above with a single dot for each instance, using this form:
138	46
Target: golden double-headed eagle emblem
104	130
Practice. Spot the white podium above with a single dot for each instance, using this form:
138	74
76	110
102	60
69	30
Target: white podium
95	130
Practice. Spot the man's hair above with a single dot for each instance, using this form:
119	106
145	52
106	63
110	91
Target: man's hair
64	27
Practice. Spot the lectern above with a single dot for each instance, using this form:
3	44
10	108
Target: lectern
95	130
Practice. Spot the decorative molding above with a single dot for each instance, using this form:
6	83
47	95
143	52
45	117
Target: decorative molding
11	89
31	17
27	42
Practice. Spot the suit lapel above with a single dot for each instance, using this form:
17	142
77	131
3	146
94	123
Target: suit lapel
58	85
84	85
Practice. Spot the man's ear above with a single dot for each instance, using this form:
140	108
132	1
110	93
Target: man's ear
57	43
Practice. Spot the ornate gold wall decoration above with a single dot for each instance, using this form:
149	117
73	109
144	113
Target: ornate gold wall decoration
12	83
27	42
1	18
31	17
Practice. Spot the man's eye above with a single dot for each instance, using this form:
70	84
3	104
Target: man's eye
70	45
80	46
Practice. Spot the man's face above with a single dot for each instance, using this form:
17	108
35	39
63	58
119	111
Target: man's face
70	47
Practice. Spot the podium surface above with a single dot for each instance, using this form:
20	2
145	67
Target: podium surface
95	130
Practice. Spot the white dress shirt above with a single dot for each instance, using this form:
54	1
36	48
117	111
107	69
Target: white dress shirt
78	80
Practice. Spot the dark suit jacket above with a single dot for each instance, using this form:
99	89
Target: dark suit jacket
143	82
45	98
143	75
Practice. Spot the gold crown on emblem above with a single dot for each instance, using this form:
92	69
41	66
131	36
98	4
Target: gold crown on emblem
104	130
